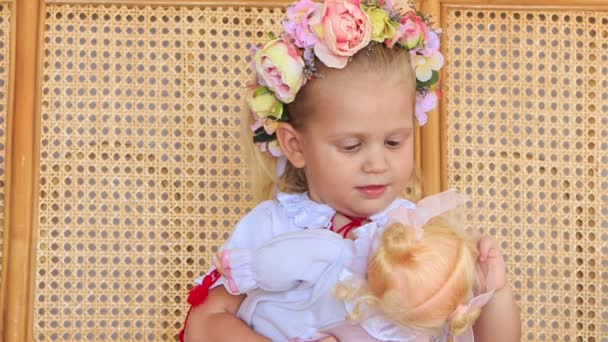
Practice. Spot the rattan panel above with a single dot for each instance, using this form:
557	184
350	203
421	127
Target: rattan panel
5	28
141	175
527	138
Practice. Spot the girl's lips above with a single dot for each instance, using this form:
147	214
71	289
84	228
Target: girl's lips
372	191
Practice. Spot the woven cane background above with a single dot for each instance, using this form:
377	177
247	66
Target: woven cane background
141	176
527	138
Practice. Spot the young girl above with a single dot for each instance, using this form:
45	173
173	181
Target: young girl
333	122
419	285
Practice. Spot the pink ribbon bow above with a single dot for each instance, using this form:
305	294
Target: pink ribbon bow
426	209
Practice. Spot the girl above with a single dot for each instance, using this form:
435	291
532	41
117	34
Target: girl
419	285
333	122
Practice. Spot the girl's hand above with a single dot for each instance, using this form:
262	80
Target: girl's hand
491	263
500	319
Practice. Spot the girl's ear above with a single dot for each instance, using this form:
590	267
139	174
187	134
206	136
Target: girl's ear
290	141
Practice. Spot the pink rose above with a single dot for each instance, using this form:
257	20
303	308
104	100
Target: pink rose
414	30
280	68
297	23
343	28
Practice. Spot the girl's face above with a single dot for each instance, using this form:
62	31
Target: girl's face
357	146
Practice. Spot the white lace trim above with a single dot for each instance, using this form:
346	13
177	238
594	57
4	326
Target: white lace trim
307	213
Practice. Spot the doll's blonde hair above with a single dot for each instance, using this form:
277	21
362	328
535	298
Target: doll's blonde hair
419	282
263	180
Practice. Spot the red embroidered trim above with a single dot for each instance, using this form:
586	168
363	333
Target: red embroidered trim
355	222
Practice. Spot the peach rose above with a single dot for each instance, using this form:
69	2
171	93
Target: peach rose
280	68
343	28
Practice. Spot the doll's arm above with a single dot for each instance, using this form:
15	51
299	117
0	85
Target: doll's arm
500	318
284	262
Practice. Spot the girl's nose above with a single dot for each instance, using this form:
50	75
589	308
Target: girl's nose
375	162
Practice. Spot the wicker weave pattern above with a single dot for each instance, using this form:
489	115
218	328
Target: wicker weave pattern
141	178
527	132
5	27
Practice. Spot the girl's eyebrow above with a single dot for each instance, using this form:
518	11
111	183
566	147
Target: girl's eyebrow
345	135
402	129
406	130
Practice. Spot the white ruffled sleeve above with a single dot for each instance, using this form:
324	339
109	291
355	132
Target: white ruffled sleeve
261	224
238	266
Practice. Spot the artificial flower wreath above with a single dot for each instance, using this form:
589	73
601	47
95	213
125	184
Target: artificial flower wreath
333	31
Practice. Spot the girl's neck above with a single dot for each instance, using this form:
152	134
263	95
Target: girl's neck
340	221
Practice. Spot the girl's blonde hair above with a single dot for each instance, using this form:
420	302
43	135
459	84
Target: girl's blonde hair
419	282
262	167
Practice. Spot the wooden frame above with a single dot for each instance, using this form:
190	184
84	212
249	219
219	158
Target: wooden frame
7	201
20	161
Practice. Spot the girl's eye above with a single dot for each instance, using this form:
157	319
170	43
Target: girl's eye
393	143
351	147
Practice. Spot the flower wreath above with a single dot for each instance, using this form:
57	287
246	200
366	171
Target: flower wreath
333	31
